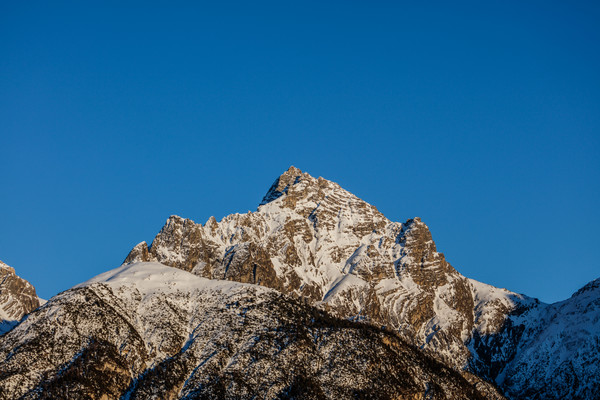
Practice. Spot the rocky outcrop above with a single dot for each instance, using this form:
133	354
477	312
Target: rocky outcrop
17	298
150	331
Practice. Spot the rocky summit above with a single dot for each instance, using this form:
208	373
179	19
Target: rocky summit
314	295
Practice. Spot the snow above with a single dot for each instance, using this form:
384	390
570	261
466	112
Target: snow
152	278
343	284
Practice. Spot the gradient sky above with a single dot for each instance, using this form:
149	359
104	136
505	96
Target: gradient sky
482	118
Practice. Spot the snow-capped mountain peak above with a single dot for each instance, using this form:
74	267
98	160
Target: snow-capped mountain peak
312	239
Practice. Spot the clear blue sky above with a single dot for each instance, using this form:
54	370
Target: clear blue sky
482	118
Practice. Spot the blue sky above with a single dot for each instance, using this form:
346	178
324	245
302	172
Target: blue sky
482	119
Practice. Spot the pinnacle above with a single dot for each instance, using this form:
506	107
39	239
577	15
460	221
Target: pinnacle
282	184
293	170
7	267
290	176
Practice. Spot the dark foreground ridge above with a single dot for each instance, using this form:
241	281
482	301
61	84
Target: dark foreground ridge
121	341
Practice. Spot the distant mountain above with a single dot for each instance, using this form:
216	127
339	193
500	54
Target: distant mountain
146	330
313	240
558	354
17	298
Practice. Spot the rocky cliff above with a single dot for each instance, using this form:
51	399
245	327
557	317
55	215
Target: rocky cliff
17	298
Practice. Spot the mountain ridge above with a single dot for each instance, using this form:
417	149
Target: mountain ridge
312	239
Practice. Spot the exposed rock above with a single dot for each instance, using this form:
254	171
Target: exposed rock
17	298
138	253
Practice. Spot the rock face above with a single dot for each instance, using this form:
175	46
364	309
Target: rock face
146	331
17	298
313	240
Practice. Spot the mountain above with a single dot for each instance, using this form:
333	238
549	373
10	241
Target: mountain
314	295
17	298
559	351
146	330
312	240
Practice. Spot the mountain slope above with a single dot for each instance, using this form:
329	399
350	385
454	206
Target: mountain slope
313	240
146	330
559	355
17	298
542	351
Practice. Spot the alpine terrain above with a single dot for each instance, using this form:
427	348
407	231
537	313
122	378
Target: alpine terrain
314	295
